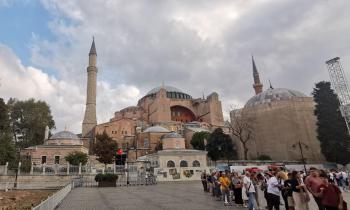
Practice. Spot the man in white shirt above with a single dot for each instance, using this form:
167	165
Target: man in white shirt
250	189
273	192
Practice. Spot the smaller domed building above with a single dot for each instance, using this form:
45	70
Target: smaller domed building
55	149
279	118
174	162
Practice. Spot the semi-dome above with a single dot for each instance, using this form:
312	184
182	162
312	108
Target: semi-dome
156	129
277	94
64	135
172	135
172	92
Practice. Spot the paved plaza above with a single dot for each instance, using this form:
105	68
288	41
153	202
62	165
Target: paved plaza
169	196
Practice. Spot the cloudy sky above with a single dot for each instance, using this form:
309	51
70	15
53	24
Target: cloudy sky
197	46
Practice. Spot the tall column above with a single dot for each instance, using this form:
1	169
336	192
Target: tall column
90	121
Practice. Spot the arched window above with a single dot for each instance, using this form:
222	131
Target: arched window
196	163
183	163
170	164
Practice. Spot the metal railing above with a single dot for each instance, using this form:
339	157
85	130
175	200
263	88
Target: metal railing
52	201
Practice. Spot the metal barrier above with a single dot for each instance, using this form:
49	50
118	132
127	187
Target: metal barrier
52	201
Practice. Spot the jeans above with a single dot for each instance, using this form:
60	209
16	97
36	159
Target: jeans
251	198
343	183
225	194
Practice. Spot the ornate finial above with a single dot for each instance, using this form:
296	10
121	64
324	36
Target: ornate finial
271	87
65	127
203	96
163	84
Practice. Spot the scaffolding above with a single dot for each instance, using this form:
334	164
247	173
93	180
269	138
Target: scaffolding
340	85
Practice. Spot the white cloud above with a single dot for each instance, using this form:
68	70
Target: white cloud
198	46
66	99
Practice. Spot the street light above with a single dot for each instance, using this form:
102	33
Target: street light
300	144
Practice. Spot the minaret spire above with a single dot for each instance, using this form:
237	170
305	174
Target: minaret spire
257	84
271	87
93	48
90	121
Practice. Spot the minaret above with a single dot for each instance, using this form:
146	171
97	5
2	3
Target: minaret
90	111
258	87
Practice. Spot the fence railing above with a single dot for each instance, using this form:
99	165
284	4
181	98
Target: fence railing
52	201
53	169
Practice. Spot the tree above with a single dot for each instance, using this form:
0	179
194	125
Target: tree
220	146
75	158
159	146
198	138
29	119
105	148
241	127
331	127
7	147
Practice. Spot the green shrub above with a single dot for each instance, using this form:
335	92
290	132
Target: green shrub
106	177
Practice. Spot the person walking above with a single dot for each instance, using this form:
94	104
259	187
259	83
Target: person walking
224	187
313	183
330	194
204	181
237	189
299	192
250	190
287	190
273	192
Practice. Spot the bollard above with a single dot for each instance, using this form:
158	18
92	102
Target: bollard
7	187
44	167
31	168
19	168
67	168
80	168
6	166
114	169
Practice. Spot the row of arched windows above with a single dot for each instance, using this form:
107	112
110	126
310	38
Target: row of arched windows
177	95
183	163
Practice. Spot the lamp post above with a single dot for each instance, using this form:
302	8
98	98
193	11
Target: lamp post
18	150
300	144
126	164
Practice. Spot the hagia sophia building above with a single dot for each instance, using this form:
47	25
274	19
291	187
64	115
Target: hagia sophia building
283	117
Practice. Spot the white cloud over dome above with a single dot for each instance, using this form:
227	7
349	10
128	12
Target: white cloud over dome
201	46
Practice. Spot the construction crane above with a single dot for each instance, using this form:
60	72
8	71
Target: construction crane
340	85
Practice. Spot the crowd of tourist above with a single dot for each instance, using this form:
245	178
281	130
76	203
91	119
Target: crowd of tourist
268	190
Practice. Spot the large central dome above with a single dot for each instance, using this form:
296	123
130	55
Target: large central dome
167	88
172	92
270	95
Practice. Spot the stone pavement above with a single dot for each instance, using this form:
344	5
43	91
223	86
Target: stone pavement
167	196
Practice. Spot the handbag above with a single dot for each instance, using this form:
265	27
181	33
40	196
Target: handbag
304	196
